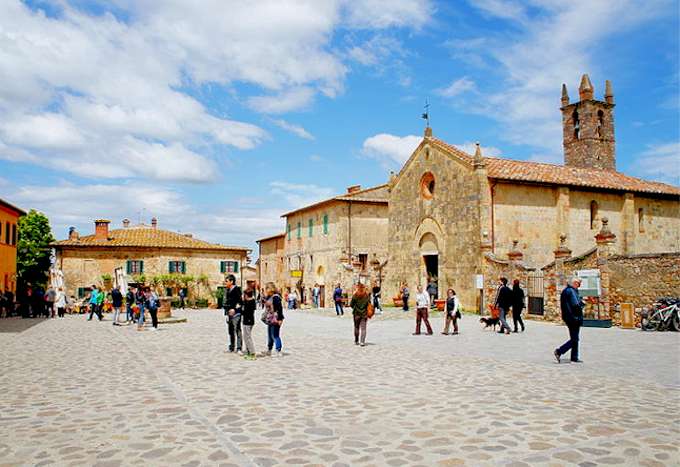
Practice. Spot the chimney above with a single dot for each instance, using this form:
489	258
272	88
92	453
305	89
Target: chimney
73	234
188	235
353	189
154	223
126	223
101	229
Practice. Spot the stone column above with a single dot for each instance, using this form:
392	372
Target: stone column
628	224
606	244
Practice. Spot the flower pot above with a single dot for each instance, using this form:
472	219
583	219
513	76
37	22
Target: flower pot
440	304
398	302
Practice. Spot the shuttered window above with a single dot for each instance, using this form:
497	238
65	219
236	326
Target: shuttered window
135	267
177	267
325	224
299	230
311	227
228	267
288	227
14	234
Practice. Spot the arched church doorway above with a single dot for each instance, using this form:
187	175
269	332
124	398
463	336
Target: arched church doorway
429	251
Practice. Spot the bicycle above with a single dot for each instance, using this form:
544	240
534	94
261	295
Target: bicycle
664	315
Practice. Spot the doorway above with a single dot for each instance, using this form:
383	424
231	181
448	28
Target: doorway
432	270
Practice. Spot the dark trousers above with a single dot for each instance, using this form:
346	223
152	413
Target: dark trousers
338	309
405	299
360	328
94	309
154	316
572	343
517	318
422	315
234	328
60	311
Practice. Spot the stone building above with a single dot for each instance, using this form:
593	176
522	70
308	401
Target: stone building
9	217
338	240
146	251
270	262
467	211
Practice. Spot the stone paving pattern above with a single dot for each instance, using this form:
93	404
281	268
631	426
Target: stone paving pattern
74	392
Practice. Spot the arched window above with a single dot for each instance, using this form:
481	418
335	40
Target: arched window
577	124
593	213
600	122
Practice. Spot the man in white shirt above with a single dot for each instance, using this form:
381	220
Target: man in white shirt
422	311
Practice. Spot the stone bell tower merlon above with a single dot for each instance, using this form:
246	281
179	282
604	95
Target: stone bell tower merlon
588	128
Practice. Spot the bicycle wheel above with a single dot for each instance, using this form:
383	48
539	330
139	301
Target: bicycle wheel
675	321
651	324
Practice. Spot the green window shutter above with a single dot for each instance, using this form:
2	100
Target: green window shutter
171	267
299	230
223	266
129	267
288	227
184	267
141	267
325	224
311	227
236	266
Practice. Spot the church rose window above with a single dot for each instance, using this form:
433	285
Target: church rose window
427	186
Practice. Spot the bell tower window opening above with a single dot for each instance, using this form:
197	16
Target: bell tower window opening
600	122
427	186
577	124
593	213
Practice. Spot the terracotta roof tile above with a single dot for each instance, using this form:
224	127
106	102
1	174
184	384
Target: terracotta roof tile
146	237
526	171
376	194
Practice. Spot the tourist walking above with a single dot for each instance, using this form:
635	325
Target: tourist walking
422	311
50	298
140	299
315	295
452	312
249	306
60	302
292	299
274	318
117	303
152	306
572	315
182	297
337	299
503	301
404	296
233	306
94	303
129	303
517	304
359	304
376	298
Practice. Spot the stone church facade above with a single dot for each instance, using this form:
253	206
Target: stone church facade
450	212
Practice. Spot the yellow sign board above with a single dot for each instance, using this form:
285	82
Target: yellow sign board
296	273
627	316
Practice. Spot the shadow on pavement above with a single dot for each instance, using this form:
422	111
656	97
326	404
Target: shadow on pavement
17	325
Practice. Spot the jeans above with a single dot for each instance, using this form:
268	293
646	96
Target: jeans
338	309
94	309
248	338
504	322
128	314
572	343
422	315
360	329
405	298
116	314
140	322
273	333
234	329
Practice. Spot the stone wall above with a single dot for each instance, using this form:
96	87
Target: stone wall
555	277
271	261
83	267
641	279
494	269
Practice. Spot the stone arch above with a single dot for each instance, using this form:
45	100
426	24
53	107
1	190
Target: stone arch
430	239
320	274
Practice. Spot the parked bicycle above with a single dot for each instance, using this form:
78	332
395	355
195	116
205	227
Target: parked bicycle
664	315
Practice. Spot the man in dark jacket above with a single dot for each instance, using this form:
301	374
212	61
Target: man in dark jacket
129	301
337	298
233	304
504	299
572	315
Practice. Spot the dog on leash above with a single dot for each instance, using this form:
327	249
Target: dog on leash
490	322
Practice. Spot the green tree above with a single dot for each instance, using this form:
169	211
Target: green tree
33	248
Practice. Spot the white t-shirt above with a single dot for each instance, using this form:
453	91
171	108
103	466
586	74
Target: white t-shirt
422	300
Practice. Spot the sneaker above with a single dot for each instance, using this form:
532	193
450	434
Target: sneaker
240	353
445	333
454	333
363	344
356	343
415	334
557	355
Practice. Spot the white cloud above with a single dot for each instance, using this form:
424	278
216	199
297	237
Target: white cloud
390	149
660	162
458	86
81	90
293	99
295	129
553	46
298	195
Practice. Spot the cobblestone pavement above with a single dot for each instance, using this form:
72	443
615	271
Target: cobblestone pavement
74	392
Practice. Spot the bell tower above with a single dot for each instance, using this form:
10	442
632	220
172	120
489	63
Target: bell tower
588	128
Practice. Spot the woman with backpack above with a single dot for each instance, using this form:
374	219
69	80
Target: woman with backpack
452	312
359	304
273	317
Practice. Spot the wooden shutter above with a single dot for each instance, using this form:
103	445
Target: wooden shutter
235	266
171	267
141	267
184	267
129	267
223	267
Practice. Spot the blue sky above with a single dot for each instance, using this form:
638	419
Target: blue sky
218	119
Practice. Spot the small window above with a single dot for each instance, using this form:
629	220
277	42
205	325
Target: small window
325	224
135	267
311	227
288	228
641	220
363	259
229	267
299	230
177	267
593	214
427	186
600	122
8	234
168	291
81	292
577	124
14	234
